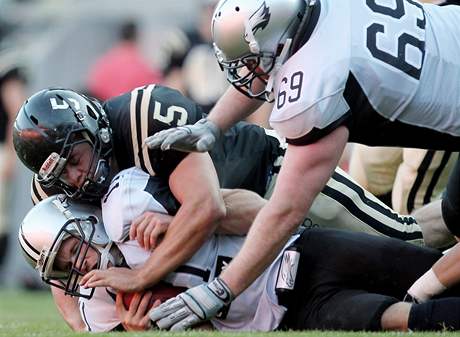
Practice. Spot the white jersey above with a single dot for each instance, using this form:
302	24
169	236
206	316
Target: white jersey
133	192
388	70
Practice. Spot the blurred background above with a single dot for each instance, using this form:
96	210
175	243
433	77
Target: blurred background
102	48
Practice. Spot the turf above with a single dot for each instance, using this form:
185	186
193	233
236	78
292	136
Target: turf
33	314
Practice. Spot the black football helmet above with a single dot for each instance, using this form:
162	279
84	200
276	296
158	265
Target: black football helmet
49	124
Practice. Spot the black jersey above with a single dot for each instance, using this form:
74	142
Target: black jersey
244	157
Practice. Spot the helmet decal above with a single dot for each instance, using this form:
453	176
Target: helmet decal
257	21
64	105
260	18
52	165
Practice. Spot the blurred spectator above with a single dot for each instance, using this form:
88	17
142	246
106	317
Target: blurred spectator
12	95
122	68
189	64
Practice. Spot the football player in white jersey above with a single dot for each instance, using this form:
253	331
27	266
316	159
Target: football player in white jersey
371	72
65	240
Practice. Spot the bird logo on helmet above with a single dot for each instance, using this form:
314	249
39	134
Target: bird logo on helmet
258	20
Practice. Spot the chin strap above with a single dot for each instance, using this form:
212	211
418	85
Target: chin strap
107	257
289	46
278	63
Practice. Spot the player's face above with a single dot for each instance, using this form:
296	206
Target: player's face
78	165
68	256
252	65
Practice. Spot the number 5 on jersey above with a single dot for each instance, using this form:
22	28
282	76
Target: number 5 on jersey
172	112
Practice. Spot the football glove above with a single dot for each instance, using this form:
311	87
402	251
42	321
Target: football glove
199	137
194	306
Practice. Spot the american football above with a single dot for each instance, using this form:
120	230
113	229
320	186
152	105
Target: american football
161	291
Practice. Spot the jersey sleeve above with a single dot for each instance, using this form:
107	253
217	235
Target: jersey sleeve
142	113
309	87
314	123
131	193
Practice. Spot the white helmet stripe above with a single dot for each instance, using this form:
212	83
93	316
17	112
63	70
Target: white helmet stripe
30	251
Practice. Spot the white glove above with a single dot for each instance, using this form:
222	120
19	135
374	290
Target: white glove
194	306
199	137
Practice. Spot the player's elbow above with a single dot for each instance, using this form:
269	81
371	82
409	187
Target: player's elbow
288	215
216	210
211	211
294	217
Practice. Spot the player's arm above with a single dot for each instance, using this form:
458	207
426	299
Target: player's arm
304	173
232	107
444	274
68	308
242	207
195	185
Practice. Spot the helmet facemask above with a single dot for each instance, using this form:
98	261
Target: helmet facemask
249	74
97	177
83	230
63	239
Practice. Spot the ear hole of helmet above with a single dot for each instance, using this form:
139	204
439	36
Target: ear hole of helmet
91	112
34	119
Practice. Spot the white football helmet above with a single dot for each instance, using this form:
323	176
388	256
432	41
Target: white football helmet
249	37
45	228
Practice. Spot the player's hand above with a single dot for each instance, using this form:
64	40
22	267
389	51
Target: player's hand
199	137
120	279
149	229
136	317
194	306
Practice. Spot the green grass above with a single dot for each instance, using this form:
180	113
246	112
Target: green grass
25	314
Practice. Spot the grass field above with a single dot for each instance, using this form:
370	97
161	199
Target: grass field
33	314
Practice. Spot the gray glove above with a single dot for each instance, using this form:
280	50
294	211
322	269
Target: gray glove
199	137
194	306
